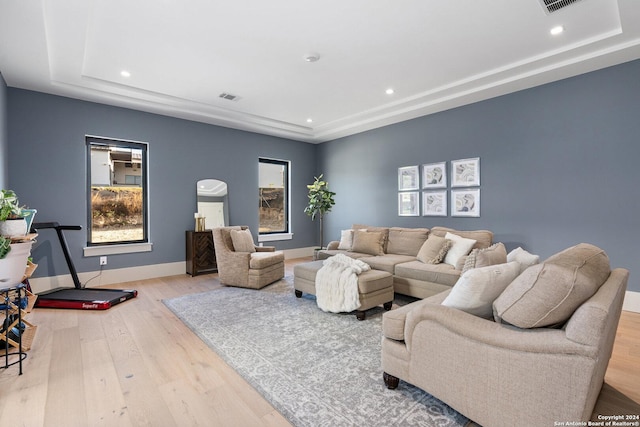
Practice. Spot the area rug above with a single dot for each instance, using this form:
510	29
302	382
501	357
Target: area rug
315	368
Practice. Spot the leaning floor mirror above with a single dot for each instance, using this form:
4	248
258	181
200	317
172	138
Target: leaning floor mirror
213	202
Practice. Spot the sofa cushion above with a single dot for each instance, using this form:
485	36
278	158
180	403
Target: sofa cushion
443	274
478	258
368	242
242	241
346	240
393	321
261	260
476	289
386	262
483	238
524	258
406	241
460	247
434	249
547	294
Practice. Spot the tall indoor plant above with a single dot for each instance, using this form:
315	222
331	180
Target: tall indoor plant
320	202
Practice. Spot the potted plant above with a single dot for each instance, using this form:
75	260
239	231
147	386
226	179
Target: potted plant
320	202
12	222
14	258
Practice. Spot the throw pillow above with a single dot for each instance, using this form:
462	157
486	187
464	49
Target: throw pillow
494	254
346	240
433	250
368	242
547	294
460	247
242	241
475	290
523	257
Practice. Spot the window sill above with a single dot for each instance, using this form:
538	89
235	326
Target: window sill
274	237
117	249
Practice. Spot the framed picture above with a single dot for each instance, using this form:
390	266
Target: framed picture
434	175
408	203
465	172
434	203
408	177
465	202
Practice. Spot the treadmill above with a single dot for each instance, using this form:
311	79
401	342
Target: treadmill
78	297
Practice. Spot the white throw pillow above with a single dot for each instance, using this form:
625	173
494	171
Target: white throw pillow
524	258
477	289
242	241
346	240
459	248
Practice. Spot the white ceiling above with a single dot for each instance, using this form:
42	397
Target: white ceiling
182	54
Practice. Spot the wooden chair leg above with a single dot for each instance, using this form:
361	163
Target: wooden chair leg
390	381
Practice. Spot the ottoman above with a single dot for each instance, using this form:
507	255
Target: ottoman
374	287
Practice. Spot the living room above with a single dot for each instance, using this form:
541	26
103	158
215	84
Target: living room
558	167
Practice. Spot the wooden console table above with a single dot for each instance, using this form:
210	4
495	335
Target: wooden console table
201	254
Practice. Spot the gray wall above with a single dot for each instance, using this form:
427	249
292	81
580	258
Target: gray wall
4	165
559	166
47	158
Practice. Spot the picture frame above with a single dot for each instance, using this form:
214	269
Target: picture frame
434	175
465	202
408	203
408	178
434	203
465	172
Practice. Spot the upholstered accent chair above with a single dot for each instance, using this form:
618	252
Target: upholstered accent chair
498	374
244	264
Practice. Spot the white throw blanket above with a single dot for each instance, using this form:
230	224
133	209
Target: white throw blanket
337	284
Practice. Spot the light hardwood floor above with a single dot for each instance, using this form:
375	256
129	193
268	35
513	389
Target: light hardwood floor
137	364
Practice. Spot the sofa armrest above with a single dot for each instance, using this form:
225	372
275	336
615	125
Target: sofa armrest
333	245
265	249
488	332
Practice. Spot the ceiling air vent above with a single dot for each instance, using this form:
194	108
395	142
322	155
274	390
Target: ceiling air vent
228	96
555	5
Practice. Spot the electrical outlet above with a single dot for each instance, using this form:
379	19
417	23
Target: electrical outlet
103	260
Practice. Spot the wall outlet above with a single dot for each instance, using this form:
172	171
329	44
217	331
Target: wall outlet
103	260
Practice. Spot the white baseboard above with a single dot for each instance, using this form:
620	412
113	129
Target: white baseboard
123	275
632	301
92	279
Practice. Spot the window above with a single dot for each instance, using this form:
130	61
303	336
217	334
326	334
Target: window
116	192
273	199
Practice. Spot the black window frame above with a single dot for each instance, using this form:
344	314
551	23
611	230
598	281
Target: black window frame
287	193
112	142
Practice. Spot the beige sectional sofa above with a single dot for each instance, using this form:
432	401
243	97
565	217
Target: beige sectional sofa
397	253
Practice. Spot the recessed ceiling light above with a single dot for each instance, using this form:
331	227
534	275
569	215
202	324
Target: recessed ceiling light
309	120
125	73
556	30
389	91
311	57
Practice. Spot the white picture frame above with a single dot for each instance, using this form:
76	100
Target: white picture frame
465	172
408	203
434	175
434	203
408	178
465	202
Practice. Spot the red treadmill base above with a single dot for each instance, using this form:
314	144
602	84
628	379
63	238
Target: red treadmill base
84	299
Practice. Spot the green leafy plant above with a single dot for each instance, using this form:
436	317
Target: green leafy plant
320	201
9	205
5	246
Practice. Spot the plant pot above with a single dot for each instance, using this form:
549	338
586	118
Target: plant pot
14	265
13	227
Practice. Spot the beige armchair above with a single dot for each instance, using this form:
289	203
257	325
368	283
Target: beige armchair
500	375
250	269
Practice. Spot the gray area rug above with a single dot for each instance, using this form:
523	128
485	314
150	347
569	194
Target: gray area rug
315	368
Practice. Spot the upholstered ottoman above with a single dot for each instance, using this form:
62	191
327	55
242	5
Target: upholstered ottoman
375	287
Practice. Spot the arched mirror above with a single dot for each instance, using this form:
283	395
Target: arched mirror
213	202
